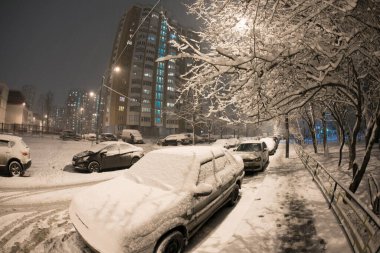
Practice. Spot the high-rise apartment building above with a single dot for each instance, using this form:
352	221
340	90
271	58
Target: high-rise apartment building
142	94
80	113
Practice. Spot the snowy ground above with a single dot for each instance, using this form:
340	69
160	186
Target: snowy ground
280	210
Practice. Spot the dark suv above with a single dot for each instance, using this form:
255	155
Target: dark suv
70	135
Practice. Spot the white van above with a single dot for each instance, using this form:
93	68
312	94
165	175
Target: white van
131	136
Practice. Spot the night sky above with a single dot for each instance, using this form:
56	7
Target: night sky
57	45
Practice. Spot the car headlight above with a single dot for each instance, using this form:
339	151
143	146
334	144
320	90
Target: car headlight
83	159
258	159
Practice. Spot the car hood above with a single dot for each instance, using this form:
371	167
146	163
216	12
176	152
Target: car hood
83	154
248	155
124	214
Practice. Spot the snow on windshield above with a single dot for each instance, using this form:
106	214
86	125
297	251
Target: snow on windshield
249	147
99	146
165	170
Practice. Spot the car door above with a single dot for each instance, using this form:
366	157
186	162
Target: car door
111	159
125	155
226	176
265	152
4	152
204	206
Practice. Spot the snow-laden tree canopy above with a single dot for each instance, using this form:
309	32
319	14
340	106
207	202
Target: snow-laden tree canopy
265	58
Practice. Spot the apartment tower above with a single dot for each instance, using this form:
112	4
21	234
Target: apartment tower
142	94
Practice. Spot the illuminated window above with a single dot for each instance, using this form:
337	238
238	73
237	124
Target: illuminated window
121	108
145	109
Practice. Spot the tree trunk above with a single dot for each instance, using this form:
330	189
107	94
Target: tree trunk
324	127
314	139
342	141
360	173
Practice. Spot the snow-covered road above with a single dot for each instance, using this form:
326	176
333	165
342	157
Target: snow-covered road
280	210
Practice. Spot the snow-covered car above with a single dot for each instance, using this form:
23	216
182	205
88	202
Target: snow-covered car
14	155
107	155
233	142
221	143
208	138
254	154
90	137
69	135
160	202
176	139
271	145
107	137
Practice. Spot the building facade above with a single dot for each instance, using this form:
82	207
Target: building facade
142	95
80	114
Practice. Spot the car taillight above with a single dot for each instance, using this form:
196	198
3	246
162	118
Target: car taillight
24	153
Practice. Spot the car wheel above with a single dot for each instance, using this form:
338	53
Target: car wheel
134	160
172	243
93	166
15	169
234	196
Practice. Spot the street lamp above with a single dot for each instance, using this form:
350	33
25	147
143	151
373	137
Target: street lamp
116	70
81	120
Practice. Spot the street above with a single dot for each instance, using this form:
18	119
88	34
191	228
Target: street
272	215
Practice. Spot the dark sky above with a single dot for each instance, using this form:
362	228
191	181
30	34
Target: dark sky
58	45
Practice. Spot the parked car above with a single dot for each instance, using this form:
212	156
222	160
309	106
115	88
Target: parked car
197	139
254	154
176	139
208	138
132	136
221	143
160	202
107	155
107	137
14	155
90	137
69	135
233	142
271	144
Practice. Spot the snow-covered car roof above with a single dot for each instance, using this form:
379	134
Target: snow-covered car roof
250	141
9	137
172	168
104	144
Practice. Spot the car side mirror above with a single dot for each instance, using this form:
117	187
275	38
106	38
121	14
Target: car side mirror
103	152
202	190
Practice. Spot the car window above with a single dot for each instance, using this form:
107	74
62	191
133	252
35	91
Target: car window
221	163
249	147
112	148
3	143
207	174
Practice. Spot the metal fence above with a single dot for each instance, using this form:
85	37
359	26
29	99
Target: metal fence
27	129
361	225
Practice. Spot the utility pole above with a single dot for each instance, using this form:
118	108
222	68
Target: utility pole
287	136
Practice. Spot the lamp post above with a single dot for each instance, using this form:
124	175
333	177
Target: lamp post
116	70
98	110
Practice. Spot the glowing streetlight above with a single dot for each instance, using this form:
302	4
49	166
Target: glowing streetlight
116	69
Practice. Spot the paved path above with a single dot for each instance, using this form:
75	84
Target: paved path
285	212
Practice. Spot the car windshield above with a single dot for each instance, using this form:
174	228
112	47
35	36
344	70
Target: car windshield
98	147
249	147
167	172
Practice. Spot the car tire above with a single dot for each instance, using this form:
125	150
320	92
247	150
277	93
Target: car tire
234	196
93	166
172	243
15	169
134	160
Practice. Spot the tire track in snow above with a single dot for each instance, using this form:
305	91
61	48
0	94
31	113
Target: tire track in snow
22	223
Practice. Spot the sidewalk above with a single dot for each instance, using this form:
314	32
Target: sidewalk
285	213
